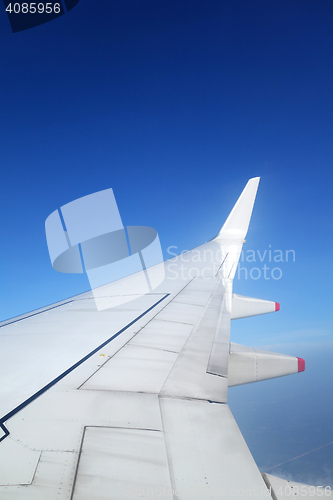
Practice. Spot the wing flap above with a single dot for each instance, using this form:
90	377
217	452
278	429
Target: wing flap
122	463
207	453
25	460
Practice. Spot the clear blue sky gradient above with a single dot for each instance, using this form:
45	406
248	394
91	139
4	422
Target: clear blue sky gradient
175	105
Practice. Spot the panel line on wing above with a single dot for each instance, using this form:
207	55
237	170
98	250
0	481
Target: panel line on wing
30	315
120	352
69	370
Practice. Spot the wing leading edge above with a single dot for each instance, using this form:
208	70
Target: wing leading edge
132	401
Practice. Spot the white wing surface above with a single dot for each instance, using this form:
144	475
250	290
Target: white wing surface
131	401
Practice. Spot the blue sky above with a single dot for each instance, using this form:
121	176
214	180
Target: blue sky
175	105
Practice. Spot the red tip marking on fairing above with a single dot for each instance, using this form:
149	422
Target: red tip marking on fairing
277	306
301	364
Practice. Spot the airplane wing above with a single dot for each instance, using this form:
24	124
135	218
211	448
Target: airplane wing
131	401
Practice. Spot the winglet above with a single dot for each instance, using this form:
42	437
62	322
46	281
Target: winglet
236	225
